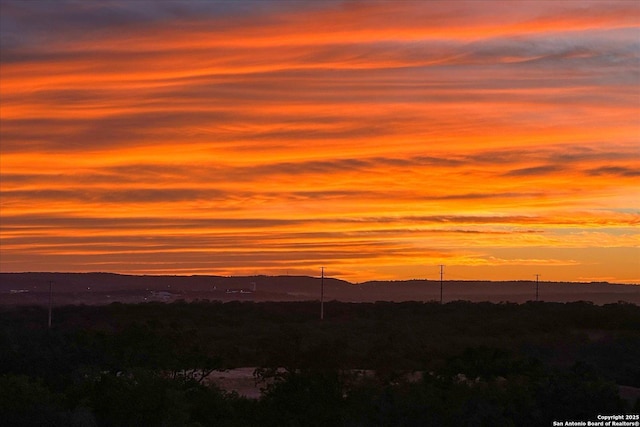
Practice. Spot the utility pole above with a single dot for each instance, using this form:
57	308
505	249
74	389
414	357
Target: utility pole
441	275
50	300
322	293
537	282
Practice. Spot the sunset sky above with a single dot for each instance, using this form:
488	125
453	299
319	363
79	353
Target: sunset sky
378	139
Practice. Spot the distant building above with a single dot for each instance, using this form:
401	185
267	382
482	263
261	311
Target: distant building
239	291
163	295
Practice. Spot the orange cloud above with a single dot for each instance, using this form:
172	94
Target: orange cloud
376	137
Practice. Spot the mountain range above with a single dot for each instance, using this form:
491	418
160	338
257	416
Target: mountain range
105	288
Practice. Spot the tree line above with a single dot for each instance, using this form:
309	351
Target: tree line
379	364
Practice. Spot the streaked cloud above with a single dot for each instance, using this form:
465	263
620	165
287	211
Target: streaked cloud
375	137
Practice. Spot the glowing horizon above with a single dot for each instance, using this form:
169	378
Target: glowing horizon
377	139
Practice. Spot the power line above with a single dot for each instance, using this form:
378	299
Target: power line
50	301
322	293
441	276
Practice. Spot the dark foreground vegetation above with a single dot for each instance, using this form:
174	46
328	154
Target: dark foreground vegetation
458	364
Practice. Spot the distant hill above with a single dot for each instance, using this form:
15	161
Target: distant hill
104	288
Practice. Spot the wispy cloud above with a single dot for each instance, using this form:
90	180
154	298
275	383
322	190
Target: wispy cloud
223	137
